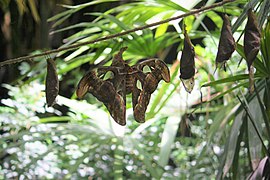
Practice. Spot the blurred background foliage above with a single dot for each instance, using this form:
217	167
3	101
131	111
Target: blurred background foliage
221	134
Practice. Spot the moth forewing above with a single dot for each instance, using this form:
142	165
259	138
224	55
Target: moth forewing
52	83
159	71
109	90
83	85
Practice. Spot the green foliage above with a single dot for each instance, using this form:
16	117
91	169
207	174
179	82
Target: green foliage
224	136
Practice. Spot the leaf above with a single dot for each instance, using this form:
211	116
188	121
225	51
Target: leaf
86	154
216	18
76	62
227	80
147	159
21	7
55	119
61	15
60	21
265	46
94	2
173	5
167	139
21	143
242	17
254	146
232	144
78	25
266	104
143	127
222	118
264	12
235	165
77	52
118	164
89	110
262	171
161	29
199	19
33	7
112	19
263	108
229	90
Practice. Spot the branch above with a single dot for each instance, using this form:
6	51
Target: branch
192	12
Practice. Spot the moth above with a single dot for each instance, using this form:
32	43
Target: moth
187	64
226	44
52	83
159	71
105	92
112	91
252	42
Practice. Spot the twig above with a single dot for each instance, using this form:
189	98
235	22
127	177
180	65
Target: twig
192	12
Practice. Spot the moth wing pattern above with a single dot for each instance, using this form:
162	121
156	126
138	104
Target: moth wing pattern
159	71
105	92
112	92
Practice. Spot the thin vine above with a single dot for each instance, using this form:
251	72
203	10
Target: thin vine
192	12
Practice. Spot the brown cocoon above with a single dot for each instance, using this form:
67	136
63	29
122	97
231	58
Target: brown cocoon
252	42
226	44
52	83
187	64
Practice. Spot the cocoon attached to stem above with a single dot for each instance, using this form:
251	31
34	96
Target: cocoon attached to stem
226	44
52	83
252	42
187	63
